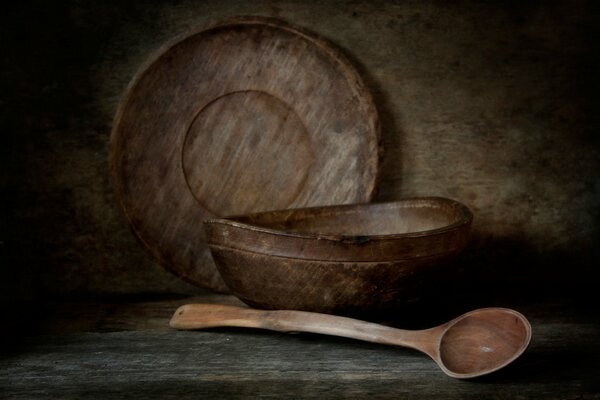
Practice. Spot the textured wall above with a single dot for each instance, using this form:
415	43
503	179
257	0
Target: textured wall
490	104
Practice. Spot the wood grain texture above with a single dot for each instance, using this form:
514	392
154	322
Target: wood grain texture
339	259
90	353
249	115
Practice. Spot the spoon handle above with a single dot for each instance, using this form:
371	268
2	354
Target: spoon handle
199	316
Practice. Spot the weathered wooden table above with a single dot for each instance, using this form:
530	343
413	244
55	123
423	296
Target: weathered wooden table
124	348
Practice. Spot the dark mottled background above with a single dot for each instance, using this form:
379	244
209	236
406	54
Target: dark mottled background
490	103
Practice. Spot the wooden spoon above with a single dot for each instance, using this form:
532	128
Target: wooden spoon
474	344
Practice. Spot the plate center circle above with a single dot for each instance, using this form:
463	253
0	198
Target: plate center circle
246	152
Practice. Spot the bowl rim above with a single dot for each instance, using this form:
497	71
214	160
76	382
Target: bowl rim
465	219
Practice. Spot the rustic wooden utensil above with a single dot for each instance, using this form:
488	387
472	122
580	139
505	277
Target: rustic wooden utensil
476	343
249	115
339	259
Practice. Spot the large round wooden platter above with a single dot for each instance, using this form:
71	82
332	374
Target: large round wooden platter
249	115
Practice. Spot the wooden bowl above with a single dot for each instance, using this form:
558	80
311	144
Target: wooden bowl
338	259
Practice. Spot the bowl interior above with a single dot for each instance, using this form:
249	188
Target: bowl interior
409	216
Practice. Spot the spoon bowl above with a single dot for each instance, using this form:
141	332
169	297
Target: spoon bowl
483	341
474	344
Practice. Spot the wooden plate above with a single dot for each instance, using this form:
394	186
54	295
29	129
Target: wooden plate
249	115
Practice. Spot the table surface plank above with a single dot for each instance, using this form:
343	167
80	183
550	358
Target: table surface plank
125	349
